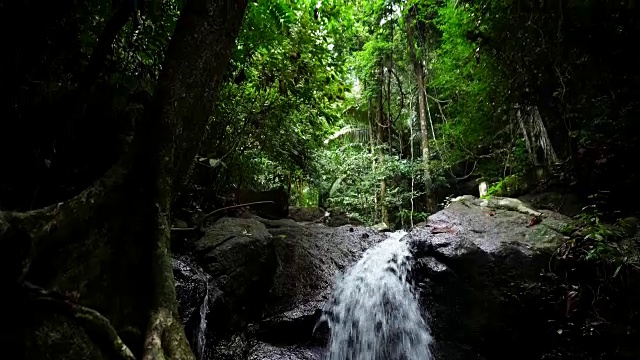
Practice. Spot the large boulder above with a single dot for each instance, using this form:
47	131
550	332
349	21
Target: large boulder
240	257
310	258
268	281
486	284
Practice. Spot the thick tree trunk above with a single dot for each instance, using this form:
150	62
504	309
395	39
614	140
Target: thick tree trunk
108	247
422	111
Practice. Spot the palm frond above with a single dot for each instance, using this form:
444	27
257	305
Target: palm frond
352	134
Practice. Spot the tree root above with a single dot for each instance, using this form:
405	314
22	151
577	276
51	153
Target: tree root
95	324
163	340
56	222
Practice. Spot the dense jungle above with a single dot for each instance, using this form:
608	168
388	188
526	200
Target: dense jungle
189	179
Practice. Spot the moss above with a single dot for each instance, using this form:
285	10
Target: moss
509	186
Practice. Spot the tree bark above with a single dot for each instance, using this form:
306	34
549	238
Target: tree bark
373	130
109	245
384	214
422	111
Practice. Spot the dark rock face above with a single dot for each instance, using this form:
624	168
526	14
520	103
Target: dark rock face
310	258
240	256
274	274
191	287
340	218
480	273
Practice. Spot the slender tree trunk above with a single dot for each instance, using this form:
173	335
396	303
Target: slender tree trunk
384	215
372	143
413	177
109	245
422	111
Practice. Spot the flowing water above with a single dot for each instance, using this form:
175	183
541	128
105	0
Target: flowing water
201	340
373	313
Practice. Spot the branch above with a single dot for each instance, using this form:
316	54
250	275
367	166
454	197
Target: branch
401	95
105	42
438	100
205	217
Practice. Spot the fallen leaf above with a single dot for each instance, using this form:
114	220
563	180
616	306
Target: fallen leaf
443	229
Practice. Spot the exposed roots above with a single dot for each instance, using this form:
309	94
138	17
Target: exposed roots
32	232
95	324
163	338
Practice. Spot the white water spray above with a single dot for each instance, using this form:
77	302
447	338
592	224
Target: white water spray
201	340
373	313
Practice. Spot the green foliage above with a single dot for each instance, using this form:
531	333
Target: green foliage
285	87
599	236
506	186
467	84
356	190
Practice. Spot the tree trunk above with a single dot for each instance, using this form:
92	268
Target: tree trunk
422	111
102	259
372	142
384	215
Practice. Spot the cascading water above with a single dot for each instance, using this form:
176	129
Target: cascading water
373	313
201	340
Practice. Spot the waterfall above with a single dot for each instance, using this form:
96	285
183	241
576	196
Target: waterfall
201	340
373	313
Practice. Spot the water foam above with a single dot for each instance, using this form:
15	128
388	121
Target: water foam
201	339
373	313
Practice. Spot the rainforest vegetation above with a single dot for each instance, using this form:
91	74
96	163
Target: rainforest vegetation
119	115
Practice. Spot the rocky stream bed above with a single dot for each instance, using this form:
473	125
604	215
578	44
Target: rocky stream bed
488	281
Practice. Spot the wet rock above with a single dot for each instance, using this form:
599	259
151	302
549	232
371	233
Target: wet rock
480	274
309	259
240	256
262	351
268	280
191	287
274	277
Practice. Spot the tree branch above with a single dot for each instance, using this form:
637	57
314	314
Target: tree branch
105	42
401	95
